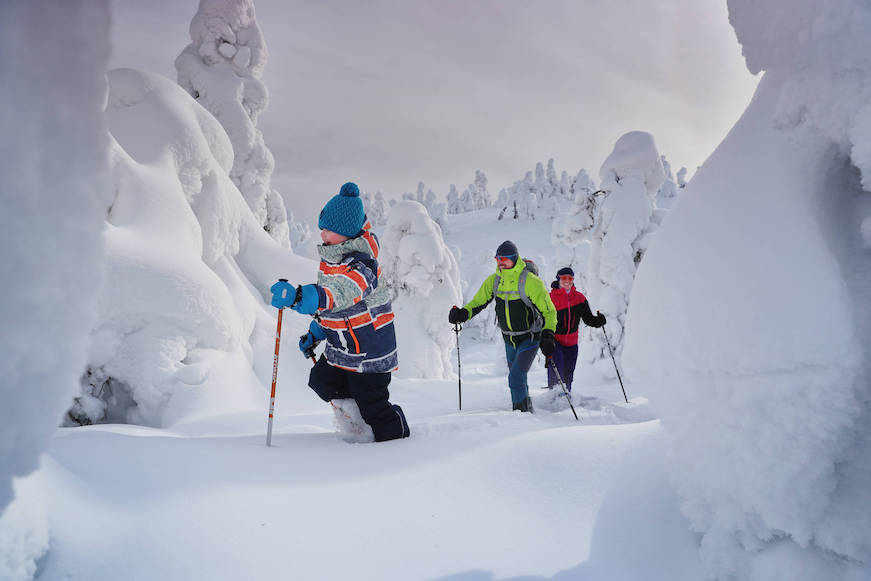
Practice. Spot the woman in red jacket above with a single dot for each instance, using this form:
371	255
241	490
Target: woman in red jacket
571	308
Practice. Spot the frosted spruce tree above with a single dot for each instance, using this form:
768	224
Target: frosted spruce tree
423	276
667	194
631	175
221	69
376	209
571	230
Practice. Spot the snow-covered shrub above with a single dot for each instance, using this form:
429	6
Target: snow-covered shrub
749	320
221	69
631	175
53	57
425	281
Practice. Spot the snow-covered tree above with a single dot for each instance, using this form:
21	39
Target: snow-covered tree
631	176
53	57
571	230
423	276
682	177
187	267
767	409
221	69
376	209
453	200
668	193
482	194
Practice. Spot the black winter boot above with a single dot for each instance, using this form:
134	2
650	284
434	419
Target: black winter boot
524	405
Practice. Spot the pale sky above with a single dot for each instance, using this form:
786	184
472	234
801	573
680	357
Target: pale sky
390	93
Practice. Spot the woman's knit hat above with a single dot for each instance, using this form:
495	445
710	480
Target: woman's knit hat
565	272
344	213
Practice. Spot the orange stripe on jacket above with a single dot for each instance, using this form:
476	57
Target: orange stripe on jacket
382	320
353	322
367	236
358	279
338	269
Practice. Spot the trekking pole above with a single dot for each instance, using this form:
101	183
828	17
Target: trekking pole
565	391
274	377
274	374
615	363
457	328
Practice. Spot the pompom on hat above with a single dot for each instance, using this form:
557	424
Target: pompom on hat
344	213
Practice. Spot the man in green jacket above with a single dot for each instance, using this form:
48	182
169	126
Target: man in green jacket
526	315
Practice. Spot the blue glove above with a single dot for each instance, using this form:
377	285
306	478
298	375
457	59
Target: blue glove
282	294
308	302
310	340
317	331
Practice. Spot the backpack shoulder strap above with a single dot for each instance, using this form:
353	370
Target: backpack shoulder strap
538	319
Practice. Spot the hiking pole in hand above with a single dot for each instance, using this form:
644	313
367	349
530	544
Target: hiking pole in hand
565	391
457	328
274	377
615	363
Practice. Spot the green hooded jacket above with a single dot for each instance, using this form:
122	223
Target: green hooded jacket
511	312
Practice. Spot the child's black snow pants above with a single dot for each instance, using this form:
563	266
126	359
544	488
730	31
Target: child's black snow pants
370	392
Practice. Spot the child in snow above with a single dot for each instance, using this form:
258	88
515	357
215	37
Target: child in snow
354	315
571	308
525	313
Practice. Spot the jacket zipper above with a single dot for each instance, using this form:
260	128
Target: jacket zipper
353	336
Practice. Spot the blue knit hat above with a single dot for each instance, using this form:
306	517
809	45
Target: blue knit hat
344	213
508	249
565	272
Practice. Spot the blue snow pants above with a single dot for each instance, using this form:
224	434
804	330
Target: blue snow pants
520	359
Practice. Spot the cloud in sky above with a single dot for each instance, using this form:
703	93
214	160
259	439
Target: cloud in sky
391	93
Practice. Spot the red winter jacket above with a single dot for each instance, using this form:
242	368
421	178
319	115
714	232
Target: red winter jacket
571	308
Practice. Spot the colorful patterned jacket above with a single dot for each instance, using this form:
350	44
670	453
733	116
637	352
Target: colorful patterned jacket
354	310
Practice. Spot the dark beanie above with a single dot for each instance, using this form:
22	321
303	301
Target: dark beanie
565	272
344	213
507	248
